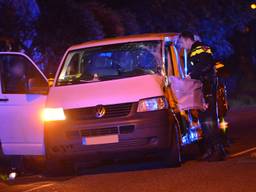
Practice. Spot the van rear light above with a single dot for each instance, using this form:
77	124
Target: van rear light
53	114
152	104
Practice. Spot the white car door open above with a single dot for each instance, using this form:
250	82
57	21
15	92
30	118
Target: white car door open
23	93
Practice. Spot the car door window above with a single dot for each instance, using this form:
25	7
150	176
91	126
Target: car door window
20	76
168	61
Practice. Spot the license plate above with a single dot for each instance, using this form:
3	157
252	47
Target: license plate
100	140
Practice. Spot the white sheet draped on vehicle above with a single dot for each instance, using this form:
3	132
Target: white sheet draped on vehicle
187	93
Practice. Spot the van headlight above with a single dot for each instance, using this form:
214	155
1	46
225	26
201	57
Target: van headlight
152	104
53	114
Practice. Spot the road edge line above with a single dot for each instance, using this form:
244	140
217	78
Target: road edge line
39	187
242	152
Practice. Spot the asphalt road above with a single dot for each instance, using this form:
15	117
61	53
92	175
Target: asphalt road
236	174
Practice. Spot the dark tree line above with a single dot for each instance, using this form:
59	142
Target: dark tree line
46	28
61	23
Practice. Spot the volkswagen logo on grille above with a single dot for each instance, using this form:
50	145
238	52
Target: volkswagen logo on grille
100	111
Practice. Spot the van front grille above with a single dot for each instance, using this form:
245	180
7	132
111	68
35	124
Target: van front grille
124	129
111	111
99	132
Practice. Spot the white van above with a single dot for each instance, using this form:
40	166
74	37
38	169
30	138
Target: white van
109	99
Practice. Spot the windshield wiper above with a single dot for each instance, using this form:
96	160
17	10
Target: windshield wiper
138	71
81	79
89	81
95	78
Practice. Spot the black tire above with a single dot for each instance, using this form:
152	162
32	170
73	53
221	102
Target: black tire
34	165
1	151
57	168
2	160
173	156
201	146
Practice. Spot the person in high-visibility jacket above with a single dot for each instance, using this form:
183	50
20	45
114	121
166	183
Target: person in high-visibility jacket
201	67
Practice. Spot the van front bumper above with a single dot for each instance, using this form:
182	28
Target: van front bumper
138	132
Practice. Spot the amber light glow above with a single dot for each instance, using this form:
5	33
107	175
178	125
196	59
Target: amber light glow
253	6
53	114
223	125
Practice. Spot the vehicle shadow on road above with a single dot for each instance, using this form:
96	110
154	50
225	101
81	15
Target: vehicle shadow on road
121	166
92	168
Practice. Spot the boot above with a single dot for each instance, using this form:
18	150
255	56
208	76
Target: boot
206	155
218	153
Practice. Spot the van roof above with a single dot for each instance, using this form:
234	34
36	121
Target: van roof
125	39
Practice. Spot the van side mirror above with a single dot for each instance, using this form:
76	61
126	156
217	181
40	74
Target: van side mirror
37	86
50	82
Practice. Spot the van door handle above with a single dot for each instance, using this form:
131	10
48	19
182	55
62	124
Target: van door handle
4	99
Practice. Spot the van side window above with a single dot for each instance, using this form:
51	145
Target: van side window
19	76
168	61
183	60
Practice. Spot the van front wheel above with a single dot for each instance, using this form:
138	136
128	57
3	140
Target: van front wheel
55	167
173	156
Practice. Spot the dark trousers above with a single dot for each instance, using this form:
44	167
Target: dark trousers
209	118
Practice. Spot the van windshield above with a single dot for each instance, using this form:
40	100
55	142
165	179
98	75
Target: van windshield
111	62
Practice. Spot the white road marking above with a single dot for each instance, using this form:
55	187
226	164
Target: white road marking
39	187
242	152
